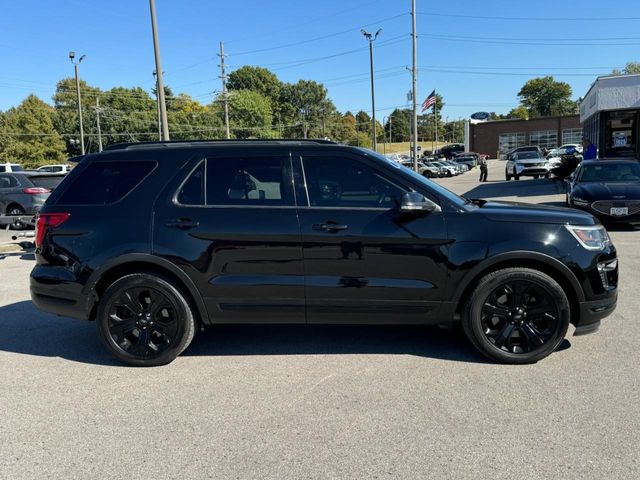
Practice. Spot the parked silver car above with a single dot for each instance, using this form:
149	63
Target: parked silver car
527	164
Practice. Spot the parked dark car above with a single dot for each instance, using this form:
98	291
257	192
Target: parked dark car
24	193
471	162
608	189
154	241
448	151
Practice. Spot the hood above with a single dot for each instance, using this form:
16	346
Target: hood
608	191
501	211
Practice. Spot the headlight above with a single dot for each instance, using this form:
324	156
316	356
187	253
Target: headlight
580	201
592	237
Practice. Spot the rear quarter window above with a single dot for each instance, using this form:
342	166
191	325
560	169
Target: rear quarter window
102	183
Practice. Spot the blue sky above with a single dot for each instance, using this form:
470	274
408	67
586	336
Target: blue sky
477	54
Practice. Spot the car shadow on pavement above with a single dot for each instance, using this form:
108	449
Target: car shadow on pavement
25	330
521	188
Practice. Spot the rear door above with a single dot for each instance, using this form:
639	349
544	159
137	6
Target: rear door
231	225
364	261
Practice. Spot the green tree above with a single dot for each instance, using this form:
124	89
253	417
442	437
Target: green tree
250	114
343	127
256	79
363	122
27	135
305	107
521	112
398	126
545	97
630	68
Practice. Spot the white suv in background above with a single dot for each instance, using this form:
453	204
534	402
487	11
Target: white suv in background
529	164
10	167
54	169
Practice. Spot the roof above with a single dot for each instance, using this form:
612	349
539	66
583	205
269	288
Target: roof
610	160
611	92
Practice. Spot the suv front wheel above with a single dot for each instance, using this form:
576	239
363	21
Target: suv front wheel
517	315
144	320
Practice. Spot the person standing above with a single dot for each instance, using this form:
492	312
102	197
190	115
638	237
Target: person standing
589	151
484	169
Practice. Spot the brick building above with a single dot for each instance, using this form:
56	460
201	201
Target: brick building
504	135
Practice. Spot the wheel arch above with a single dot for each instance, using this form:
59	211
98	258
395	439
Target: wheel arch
101	278
536	261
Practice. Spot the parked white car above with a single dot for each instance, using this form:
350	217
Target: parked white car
55	169
10	167
527	164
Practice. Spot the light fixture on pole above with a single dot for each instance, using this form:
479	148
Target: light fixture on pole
72	56
372	38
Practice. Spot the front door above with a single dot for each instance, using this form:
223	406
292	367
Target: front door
364	261
232	226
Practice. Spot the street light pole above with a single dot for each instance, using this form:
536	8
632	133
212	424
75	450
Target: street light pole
414	73
372	38
156	50
72	56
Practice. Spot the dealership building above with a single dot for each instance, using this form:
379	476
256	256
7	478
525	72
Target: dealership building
498	137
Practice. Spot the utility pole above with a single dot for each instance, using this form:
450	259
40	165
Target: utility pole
372	38
225	97
158	108
414	72
98	111
156	50
72	56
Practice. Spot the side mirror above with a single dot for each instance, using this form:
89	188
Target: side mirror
414	202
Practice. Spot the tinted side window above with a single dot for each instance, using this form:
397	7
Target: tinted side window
102	183
246	181
7	181
192	191
344	182
3	169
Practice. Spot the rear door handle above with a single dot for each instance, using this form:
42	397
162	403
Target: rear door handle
329	227
182	223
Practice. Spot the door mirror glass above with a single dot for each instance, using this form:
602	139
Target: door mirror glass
413	202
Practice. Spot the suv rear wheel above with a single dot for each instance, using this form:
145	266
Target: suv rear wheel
144	320
517	315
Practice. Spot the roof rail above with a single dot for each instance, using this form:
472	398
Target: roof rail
188	143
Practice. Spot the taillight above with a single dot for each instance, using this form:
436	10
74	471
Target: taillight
48	220
35	190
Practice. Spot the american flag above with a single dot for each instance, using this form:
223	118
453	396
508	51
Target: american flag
430	101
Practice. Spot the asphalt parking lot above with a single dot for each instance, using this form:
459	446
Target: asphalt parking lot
321	402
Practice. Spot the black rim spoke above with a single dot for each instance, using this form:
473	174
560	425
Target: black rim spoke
532	337
143	322
519	316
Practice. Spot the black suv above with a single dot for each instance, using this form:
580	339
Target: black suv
156	240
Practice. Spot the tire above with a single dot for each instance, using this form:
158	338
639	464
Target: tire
494	322
139	334
516	176
506	175
16	209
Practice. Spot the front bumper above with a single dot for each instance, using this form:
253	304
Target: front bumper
609	219
591	313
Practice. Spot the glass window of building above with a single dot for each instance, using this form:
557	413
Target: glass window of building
508	141
544	138
571	136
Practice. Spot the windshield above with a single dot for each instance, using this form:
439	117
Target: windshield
17	168
430	185
611	172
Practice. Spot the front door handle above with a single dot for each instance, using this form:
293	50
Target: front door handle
329	227
182	223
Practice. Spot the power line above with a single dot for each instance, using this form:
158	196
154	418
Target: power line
541	19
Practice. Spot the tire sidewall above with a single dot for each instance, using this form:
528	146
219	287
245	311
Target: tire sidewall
184	315
473	326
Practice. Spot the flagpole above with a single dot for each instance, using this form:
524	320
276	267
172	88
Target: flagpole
435	115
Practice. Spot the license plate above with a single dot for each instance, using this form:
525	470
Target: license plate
619	211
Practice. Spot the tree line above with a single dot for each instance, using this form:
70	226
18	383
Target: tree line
260	106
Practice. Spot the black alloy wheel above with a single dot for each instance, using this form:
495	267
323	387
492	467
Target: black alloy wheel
144	320
517	315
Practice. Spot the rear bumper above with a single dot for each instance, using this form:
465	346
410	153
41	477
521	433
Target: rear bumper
54	290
